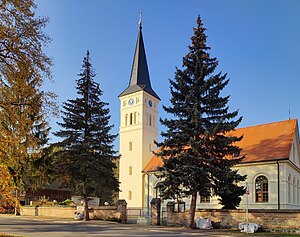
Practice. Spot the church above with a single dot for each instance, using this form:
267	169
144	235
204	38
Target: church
272	151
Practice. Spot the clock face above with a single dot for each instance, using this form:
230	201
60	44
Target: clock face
131	101
150	103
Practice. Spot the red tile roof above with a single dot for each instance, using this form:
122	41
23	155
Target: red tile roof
263	142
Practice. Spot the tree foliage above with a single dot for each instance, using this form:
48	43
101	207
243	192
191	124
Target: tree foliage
23	103
87	157
195	147
22	38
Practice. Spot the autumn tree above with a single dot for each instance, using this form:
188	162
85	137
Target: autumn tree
86	156
196	147
23	104
22	38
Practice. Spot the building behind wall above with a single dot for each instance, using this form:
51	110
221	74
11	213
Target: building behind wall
272	166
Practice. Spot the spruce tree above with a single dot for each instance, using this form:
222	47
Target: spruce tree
86	156
195	146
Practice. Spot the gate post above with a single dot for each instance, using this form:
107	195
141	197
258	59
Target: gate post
155	211
122	208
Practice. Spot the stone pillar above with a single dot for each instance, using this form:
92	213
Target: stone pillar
122	208
155	211
170	210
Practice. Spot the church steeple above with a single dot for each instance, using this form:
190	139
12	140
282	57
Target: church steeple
139	78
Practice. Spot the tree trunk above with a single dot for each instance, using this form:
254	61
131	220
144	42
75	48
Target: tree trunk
191	222
86	209
17	212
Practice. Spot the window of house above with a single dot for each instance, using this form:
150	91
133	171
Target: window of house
130	146
130	170
129	195
204	199
261	189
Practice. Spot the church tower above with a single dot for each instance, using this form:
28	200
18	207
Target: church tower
138	127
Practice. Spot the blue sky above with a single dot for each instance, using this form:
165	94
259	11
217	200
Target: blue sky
256	43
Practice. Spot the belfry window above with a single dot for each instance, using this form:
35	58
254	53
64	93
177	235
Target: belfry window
130	170
261	189
126	119
135	119
131	119
150	120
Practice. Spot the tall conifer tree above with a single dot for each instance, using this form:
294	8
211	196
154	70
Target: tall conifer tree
86	157
195	147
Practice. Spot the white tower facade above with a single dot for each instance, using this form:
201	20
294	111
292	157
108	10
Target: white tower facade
138	128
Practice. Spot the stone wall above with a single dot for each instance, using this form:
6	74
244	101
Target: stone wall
48	211
115	213
268	219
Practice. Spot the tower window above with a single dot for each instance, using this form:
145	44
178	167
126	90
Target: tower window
124	103
137	100
130	146
261	189
130	170
130	119
149	146
126	119
129	195
135	117
150	120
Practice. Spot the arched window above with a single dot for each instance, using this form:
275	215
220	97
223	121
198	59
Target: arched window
135	120
147	119
131	119
289	189
150	120
126	119
261	189
129	195
130	146
130	170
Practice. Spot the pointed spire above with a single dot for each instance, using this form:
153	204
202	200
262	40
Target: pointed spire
139	78
140	21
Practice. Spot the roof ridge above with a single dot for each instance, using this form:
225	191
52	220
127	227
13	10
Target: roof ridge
264	124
